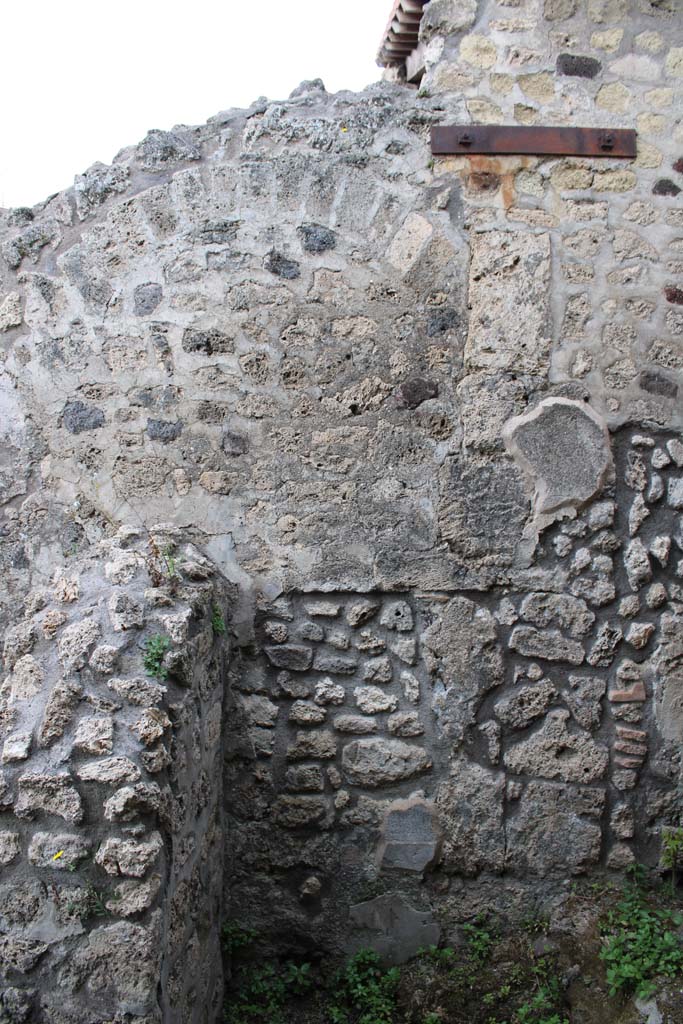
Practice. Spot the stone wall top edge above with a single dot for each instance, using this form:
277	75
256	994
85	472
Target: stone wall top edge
189	141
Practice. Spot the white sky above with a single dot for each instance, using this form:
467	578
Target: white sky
81	79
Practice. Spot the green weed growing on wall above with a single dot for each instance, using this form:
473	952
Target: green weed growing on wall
153	658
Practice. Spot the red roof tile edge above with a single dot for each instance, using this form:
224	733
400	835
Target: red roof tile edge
401	34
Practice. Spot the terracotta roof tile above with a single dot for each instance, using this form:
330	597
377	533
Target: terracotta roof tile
401	35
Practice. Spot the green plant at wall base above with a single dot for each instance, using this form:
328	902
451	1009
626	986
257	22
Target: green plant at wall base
217	620
536	1009
259	998
672	853
554	1019
364	993
235	939
444	955
479	940
637	874
155	648
297	978
533	925
260	991
640	945
540	1007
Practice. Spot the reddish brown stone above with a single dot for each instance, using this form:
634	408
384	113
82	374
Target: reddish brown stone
674	295
635	693
483	181
625	733
630	748
628	762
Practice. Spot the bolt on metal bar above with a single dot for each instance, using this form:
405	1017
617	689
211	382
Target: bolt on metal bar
499	140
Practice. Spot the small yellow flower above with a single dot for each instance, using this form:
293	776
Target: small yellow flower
59	853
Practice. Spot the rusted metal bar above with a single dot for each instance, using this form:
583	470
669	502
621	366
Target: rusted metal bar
520	139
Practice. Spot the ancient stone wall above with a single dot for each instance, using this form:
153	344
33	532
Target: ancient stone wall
613	284
424	415
111	846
